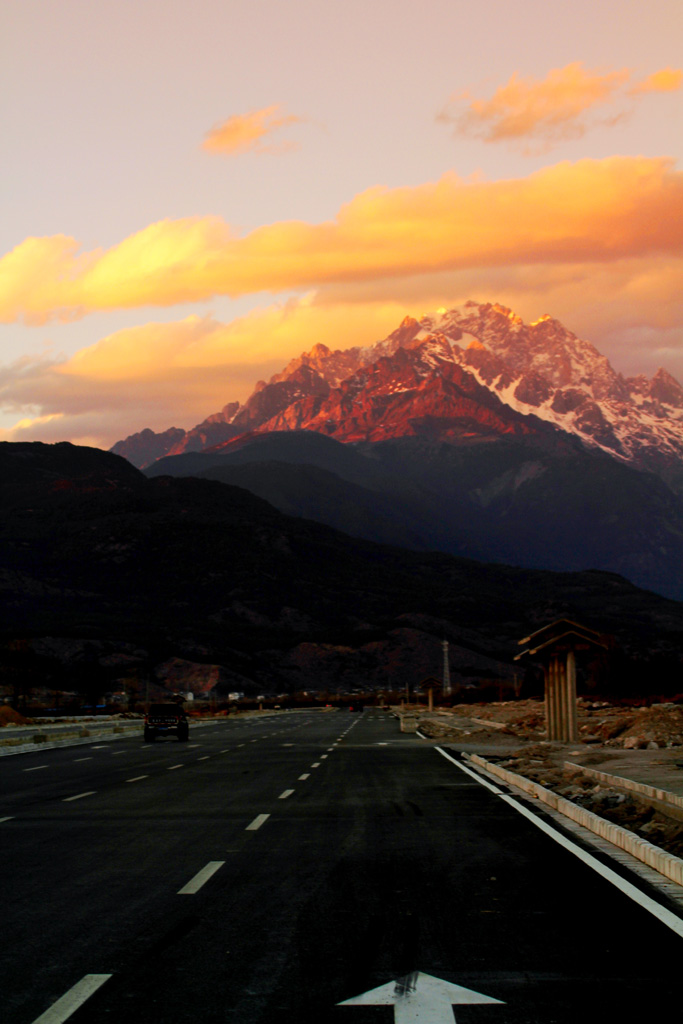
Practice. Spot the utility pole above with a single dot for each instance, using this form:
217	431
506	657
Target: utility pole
446	671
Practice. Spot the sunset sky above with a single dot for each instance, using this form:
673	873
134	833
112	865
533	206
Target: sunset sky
197	190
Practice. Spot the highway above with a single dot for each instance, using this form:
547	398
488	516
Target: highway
276	867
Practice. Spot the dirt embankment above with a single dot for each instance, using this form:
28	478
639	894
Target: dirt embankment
513	735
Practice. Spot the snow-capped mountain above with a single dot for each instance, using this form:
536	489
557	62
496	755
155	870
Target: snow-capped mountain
477	369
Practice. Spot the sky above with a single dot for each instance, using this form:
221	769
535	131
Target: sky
196	191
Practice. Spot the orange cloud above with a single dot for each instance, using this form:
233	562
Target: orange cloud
242	133
550	110
666	80
590	211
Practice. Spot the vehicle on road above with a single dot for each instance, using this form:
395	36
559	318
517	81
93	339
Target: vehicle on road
165	719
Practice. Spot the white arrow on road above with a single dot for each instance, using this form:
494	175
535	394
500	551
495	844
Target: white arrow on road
420	999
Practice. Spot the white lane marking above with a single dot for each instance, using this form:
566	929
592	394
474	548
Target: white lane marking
285	793
240	744
287	744
77	760
190	746
257	822
468	771
172	767
195	884
323	757
382	744
627	888
302	778
115	752
226	751
206	757
137	778
316	764
71	1000
330	749
10	817
100	747
646	902
79	796
36	769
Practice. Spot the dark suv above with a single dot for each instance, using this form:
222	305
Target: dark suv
162	719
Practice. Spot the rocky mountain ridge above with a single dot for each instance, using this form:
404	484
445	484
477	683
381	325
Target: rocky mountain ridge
476	370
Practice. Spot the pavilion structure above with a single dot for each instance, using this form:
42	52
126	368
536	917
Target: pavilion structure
557	645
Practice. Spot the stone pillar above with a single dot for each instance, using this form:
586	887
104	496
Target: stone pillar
560	698
572	723
551	699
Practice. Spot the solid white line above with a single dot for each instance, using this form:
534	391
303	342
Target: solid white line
8	818
627	888
303	777
71	1000
79	796
36	769
646	902
468	771
285	794
195	884
172	767
137	778
257	822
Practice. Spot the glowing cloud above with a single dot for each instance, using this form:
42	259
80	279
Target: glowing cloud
666	80
590	211
243	133
553	109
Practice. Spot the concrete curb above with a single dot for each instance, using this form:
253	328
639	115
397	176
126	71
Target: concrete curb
96	736
666	863
663	796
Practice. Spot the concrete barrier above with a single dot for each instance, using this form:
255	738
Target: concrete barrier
668	800
666	863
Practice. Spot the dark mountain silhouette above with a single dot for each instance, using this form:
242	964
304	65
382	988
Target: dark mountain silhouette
98	559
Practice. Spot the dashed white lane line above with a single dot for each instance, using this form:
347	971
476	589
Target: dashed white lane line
302	778
172	767
75	997
101	746
285	794
79	796
195	884
36	769
205	757
9	817
226	751
77	760
259	820
316	764
137	778
323	757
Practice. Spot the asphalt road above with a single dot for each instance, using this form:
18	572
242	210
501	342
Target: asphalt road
271	869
